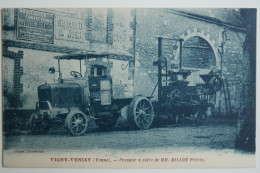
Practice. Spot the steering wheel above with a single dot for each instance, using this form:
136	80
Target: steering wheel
75	74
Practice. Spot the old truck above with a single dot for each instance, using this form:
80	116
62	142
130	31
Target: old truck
104	91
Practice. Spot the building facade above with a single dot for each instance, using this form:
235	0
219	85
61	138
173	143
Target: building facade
213	39
40	34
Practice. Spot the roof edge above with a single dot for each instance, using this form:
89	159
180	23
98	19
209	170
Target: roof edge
205	19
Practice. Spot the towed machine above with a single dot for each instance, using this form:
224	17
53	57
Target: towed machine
176	98
100	95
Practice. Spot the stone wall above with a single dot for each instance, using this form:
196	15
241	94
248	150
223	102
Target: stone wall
104	30
153	23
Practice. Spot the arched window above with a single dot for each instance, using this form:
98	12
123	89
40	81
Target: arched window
197	53
197	56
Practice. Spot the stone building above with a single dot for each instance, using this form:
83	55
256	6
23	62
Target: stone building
213	39
207	34
37	35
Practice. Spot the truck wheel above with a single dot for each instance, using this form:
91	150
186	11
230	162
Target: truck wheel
76	123
38	125
141	113
200	117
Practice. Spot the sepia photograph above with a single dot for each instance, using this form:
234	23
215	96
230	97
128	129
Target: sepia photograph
128	87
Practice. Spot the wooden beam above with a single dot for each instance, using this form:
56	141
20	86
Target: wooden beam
197	47
53	48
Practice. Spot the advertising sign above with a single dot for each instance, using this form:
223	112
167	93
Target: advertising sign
70	29
36	26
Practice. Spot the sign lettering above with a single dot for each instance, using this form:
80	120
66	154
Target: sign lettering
35	26
70	29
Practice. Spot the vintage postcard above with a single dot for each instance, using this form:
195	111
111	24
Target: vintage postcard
129	87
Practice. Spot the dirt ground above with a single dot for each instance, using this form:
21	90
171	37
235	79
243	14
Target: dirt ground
211	145
217	133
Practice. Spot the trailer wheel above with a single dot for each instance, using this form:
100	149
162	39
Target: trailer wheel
141	113
76	123
200	117
38	125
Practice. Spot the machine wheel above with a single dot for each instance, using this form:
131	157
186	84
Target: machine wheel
38	125
106	123
76	123
141	113
216	83
175	96
200	117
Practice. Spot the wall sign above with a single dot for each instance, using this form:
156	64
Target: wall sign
36	26
70	29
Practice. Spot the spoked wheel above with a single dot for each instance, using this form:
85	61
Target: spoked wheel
200	117
76	123
141	113
38	124
106	123
165	100
216	83
175	96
